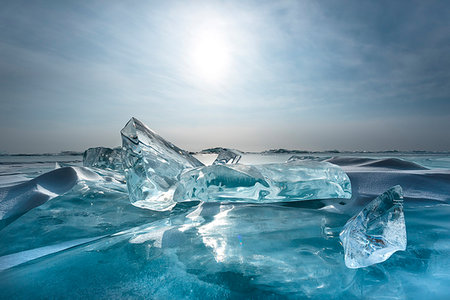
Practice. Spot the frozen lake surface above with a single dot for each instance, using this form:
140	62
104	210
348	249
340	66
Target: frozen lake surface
86	240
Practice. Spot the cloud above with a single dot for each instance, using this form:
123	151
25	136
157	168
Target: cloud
300	72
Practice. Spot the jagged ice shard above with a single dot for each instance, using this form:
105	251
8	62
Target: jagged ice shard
302	180
103	158
375	233
227	156
152	166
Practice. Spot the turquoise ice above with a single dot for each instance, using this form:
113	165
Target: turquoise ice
376	232
159	175
87	241
152	166
103	158
278	182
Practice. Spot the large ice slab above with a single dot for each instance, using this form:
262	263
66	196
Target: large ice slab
152	166
228	156
18	199
375	233
302	180
103	158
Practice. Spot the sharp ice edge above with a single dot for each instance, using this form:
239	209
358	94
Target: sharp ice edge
376	232
103	158
152	166
160	174
228	156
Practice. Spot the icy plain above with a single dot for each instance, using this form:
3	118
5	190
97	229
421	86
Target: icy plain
83	238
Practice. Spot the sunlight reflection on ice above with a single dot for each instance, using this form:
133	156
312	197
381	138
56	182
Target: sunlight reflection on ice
213	233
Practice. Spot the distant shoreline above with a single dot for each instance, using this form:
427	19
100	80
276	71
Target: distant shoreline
216	150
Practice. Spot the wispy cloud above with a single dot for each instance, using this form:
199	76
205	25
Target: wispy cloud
300	74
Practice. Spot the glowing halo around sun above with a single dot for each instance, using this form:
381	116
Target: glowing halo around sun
210	55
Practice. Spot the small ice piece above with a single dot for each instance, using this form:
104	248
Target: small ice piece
376	232
103	158
228	156
152	166
303	180
294	158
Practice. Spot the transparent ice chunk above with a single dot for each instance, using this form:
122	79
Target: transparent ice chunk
103	158
302	180
375	233
294	158
152	166
228	156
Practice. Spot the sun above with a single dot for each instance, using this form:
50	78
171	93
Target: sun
210	55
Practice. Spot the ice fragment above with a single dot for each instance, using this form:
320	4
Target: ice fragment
103	158
375	233
302	180
152	166
227	156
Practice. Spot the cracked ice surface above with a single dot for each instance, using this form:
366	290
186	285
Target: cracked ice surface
375	233
152	166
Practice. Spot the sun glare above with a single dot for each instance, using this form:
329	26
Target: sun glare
210	56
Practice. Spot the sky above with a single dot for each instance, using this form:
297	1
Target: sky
251	75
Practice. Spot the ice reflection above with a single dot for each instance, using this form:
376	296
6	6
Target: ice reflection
215	233
154	234
271	244
267	244
193	219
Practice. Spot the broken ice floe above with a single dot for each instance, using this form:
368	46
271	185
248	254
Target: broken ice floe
264	183
103	158
375	233
152	166
228	156
159	175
